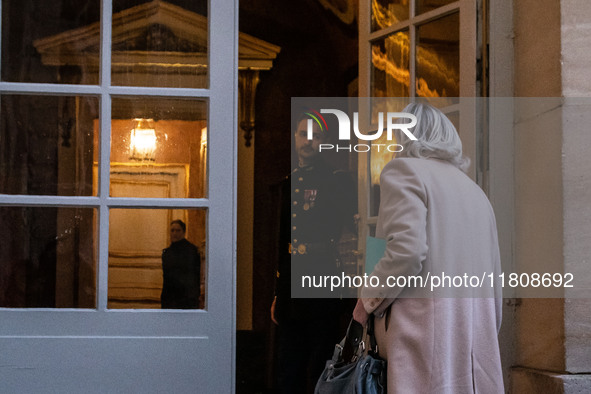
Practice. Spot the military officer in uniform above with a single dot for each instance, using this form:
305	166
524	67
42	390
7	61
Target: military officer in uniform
318	203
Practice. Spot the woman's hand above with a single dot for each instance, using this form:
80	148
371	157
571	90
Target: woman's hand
360	315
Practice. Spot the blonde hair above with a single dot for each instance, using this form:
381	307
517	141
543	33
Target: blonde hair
437	137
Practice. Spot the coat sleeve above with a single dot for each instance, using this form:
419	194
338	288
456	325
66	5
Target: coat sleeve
402	222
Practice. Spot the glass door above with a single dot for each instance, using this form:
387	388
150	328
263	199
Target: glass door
415	50
118	123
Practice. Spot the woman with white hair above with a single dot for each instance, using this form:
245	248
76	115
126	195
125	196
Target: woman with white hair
436	221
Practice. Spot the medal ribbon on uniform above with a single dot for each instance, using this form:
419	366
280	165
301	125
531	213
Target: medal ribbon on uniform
310	198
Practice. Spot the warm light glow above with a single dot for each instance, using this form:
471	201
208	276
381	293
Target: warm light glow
203	140
393	60
142	144
384	16
204	136
379	159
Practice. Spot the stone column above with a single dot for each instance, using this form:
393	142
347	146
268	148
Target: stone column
553	191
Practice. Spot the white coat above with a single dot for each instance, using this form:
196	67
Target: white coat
435	219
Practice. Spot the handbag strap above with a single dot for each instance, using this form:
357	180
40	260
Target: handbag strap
358	337
337	355
355	333
354	337
373	344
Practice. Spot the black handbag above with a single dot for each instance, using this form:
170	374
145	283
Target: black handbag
364	373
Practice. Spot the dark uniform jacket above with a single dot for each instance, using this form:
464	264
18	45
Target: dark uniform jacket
181	267
317	204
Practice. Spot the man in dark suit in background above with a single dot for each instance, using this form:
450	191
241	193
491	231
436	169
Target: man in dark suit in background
181	269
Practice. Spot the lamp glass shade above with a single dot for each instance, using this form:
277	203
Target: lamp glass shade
142	143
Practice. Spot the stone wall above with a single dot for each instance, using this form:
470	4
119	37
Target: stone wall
552	190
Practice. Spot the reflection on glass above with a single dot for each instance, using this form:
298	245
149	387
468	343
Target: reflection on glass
47	145
384	105
377	162
386	13
390	76
153	262
158	148
50	42
160	44
438	58
48	257
154	43
428	5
